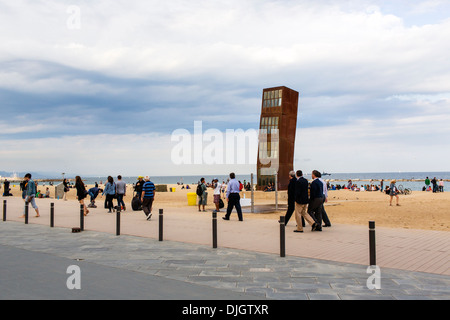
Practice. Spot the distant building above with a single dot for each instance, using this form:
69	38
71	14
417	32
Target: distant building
278	126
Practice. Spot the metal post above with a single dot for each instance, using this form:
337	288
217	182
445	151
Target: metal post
372	245
214	228
52	215
26	212
4	210
282	237
276	191
81	217
161	212
253	194
118	221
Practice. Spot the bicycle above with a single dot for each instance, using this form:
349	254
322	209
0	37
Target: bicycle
405	191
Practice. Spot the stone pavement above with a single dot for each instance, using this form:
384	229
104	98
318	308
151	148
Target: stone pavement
412	250
231	270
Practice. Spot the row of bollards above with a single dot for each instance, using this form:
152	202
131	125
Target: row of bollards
372	244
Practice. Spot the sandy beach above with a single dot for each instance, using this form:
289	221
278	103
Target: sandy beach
420	210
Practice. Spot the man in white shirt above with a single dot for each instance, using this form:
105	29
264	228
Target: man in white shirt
217	188
325	219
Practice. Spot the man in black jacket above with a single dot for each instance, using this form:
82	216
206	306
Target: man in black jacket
291	197
316	200
301	203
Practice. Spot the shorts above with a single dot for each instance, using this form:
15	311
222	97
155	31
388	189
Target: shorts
33	202
216	198
201	200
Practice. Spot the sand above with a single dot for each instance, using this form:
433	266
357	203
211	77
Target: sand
420	210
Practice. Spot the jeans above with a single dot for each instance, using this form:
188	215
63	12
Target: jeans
109	201
120	200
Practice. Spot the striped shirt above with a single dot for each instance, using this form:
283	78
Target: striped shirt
149	189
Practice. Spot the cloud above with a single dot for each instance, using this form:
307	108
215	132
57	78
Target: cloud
142	68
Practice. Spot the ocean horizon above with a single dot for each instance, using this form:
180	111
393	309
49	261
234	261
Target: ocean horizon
412	180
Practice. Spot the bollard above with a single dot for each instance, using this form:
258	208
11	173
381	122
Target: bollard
372	245
52	215
214	228
4	210
161	211
26	212
282	237
276	191
118	221
81	217
252	195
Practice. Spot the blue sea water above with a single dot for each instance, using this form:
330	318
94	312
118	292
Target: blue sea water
414	180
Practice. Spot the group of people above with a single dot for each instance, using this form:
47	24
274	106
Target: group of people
202	193
233	188
145	191
438	186
306	205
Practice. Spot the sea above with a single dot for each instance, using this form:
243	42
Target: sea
412	180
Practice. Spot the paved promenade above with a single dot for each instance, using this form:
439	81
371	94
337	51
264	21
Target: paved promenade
327	265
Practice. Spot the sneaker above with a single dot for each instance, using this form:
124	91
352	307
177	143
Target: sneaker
149	216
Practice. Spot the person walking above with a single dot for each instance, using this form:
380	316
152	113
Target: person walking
301	203
110	191
233	198
121	192
30	194
147	198
291	197
393	192
81	193
202	194
316	200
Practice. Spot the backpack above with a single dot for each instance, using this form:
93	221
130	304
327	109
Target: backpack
199	190
136	204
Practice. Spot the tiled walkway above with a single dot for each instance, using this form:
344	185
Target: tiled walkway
412	250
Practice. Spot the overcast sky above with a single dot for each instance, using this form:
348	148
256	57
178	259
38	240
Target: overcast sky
98	87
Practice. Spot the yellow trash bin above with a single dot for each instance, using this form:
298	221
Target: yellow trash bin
192	199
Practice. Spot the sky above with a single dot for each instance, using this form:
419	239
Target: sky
100	87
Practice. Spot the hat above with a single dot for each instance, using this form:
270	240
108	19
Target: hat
140	177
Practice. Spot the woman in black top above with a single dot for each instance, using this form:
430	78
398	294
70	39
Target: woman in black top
66	189
81	193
